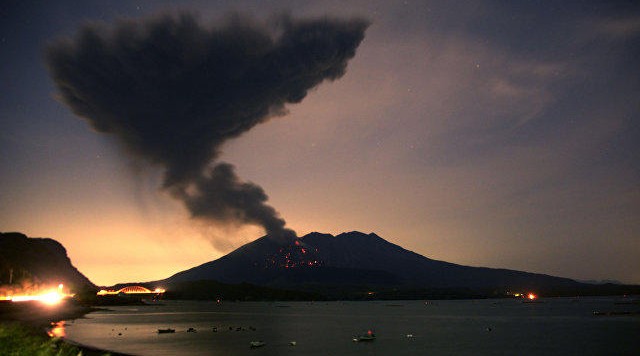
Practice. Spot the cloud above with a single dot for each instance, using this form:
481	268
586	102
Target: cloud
621	27
173	91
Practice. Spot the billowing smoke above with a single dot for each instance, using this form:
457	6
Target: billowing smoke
173	91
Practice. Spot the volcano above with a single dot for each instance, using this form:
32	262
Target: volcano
357	261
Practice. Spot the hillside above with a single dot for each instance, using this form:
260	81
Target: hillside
32	262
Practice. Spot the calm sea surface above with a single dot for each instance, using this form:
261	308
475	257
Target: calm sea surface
470	327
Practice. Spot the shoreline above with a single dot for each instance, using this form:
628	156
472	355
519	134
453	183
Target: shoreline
31	322
20	338
90	350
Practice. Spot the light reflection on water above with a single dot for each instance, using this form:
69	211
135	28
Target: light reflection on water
57	329
478	327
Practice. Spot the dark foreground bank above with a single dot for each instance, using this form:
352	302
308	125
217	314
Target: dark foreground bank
25	329
22	339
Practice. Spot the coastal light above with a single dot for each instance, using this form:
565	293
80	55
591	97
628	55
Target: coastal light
51	298
48	297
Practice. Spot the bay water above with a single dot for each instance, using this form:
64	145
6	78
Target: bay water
552	326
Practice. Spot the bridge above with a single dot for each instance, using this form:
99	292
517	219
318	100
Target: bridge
131	290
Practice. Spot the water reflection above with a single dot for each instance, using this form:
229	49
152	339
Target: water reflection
57	329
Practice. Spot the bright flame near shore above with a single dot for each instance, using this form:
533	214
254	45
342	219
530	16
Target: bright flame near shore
49	297
531	296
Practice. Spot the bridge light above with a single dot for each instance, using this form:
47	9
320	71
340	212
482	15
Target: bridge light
131	290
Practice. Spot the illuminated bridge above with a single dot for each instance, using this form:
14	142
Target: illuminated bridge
131	290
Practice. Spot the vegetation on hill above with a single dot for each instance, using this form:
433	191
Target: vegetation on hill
212	290
32	263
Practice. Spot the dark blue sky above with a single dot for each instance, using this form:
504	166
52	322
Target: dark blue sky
488	133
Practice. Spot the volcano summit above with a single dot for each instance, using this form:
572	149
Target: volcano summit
356	261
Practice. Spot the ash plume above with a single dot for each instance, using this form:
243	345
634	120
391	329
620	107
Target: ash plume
173	90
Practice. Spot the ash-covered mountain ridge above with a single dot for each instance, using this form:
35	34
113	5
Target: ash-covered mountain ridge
355	259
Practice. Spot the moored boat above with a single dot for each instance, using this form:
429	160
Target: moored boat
369	336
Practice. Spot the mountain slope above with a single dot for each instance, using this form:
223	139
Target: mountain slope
30	262
354	259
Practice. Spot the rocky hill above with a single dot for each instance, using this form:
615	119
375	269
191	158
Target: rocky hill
32	262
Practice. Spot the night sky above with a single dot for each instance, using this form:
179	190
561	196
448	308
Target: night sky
485	133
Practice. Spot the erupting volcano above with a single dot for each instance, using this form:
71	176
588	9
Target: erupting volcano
354	259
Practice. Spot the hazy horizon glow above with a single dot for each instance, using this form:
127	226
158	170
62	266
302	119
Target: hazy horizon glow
492	134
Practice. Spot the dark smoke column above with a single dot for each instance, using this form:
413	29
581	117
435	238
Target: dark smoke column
173	91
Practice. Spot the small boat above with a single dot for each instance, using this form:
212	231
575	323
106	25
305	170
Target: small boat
369	336
254	344
166	331
191	330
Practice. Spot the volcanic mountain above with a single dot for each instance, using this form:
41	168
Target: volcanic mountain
351	260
